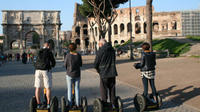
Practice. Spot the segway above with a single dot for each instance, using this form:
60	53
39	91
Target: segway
100	106
142	103
43	108
65	104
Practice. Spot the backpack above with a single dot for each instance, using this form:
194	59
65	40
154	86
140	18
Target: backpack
42	60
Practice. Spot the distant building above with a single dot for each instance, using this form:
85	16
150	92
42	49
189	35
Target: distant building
65	35
165	24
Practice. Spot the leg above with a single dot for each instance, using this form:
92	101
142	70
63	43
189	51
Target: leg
48	94
153	88
37	95
37	85
145	84
112	92
47	78
77	91
69	89
103	90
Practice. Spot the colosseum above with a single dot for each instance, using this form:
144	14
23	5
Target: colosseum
165	24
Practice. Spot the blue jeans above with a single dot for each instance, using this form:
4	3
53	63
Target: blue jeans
76	82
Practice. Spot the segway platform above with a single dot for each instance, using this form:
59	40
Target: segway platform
141	103
53	105
65	106
99	106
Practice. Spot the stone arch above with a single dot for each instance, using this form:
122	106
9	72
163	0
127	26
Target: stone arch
77	42
85	29
145	27
32	39
174	25
13	44
121	27
129	27
122	41
115	42
77	30
137	28
115	29
164	25
155	26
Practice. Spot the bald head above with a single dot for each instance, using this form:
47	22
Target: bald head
102	42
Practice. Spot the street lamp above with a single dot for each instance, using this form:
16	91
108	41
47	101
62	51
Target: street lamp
131	49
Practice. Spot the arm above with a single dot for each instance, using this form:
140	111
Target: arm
65	61
81	61
141	64
97	62
53	62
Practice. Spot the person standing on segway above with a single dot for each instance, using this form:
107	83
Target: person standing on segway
44	62
106	67
73	62
147	68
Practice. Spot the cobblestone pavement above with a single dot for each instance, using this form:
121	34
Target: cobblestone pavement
16	89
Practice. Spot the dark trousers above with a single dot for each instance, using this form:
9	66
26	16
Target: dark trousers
145	84
106	85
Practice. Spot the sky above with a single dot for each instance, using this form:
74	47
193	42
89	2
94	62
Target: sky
67	7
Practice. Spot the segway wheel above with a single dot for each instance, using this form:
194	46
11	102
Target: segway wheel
140	103
97	106
120	104
63	104
33	104
84	103
54	104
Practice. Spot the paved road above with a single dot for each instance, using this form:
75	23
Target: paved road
16	89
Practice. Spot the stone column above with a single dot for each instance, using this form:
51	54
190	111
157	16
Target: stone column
82	40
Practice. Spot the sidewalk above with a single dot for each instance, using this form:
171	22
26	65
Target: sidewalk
177	79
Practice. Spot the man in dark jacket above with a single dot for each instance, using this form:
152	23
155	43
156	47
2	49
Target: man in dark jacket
106	67
44	62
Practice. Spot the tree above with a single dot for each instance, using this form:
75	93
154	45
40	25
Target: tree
103	11
149	22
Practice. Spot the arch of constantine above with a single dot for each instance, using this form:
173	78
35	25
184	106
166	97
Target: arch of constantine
26	28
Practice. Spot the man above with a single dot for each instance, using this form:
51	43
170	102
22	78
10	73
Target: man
44	62
106	67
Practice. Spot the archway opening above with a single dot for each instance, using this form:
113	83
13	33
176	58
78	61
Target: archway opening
85	29
129	27
174	25
121	27
32	40
122	41
87	42
137	28
115	29
155	26
77	42
115	42
14	44
145	27
77	30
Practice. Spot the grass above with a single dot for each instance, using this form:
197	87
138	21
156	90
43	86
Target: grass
194	38
173	46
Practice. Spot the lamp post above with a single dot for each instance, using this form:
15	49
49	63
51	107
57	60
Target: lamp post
131	48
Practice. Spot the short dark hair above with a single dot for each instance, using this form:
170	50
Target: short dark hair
72	47
146	46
